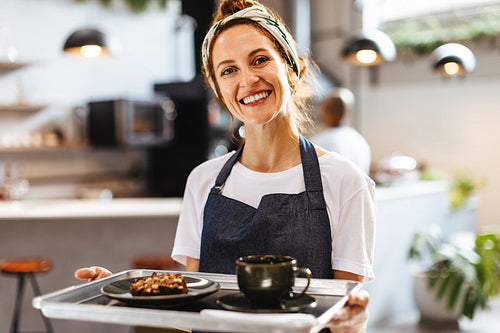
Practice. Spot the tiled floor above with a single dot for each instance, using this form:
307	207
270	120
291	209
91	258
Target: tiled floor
486	321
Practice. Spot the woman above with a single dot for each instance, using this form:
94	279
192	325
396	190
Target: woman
278	193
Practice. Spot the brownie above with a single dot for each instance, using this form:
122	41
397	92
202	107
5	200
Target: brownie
159	284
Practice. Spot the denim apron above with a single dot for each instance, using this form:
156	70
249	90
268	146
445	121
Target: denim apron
296	225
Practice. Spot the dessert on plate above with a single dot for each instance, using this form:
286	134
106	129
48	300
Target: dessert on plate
159	284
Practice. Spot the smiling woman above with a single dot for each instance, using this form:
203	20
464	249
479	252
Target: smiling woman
278	193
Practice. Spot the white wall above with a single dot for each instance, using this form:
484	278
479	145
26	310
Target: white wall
450	125
38	28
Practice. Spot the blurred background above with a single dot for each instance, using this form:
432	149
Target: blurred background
133	121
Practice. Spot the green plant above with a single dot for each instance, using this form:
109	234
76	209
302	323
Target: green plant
420	36
134	5
462	186
456	270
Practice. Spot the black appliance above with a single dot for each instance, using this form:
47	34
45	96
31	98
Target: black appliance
130	123
202	12
171	164
196	139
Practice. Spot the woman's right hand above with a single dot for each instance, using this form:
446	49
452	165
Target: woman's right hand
92	273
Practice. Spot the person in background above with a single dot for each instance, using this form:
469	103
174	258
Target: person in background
278	193
339	137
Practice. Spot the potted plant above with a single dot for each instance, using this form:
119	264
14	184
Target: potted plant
460	274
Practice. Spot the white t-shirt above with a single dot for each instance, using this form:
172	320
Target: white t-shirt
349	196
347	142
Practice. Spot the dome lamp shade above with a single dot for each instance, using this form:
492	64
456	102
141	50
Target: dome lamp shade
89	43
453	59
369	49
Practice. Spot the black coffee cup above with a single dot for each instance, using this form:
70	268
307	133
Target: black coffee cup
268	279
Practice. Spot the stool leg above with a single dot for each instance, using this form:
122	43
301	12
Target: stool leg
18	306
36	290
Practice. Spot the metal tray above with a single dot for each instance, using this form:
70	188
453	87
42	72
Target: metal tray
86	303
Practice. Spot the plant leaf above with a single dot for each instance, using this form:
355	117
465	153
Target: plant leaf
444	285
433	277
470	303
455	291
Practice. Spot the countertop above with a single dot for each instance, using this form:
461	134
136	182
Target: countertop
410	189
159	207
89	208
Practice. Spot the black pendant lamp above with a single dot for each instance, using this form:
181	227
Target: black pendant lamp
453	59
369	48
89	43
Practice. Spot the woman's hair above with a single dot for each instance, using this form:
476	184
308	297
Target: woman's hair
299	84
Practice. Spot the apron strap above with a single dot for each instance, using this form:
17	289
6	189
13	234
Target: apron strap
310	166
312	175
226	169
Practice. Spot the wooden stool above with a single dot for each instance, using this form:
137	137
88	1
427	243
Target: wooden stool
24	268
155	262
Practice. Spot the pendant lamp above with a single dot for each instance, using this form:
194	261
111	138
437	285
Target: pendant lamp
369	48
89	43
453	59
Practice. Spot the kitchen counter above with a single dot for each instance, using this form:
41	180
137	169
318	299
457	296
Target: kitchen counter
410	189
69	209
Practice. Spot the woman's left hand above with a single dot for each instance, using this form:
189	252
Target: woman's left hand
353	317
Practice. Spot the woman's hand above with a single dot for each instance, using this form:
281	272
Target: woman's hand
353	317
92	273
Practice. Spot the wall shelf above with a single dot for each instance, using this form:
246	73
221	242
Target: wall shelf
66	149
22	107
6	66
22	150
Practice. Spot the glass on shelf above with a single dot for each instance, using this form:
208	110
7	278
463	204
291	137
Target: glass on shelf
8	51
12	185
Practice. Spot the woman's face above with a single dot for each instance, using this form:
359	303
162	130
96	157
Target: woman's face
251	75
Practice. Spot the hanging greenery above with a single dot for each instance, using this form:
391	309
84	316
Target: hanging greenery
421	36
136	6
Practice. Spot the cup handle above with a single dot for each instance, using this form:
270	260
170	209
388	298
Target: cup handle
307	273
